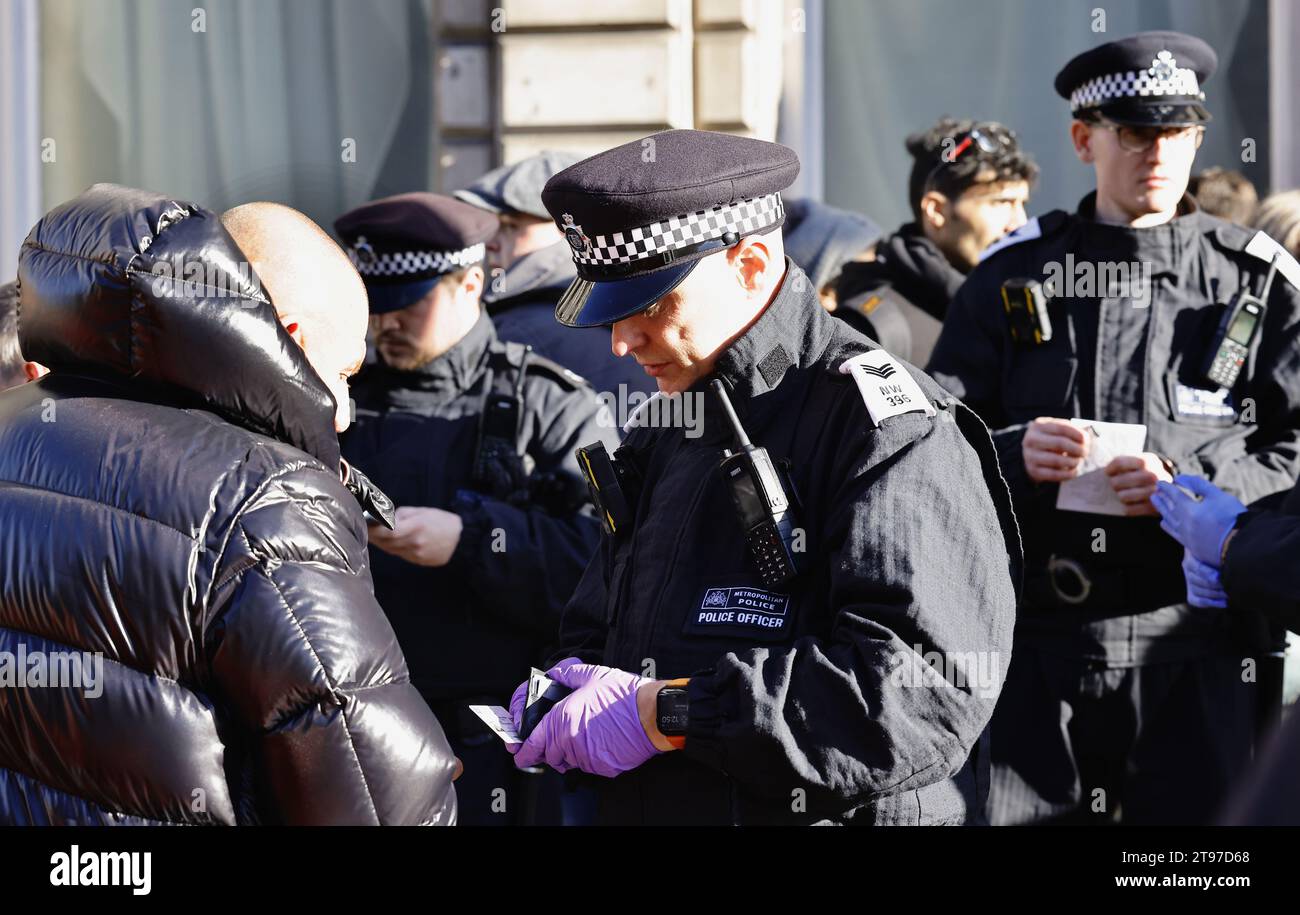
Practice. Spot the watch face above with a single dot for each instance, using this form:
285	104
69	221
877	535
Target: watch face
673	712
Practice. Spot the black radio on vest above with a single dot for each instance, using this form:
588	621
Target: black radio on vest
1241	321
765	511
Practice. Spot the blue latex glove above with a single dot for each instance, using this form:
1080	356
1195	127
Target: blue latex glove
596	728
1199	525
1204	589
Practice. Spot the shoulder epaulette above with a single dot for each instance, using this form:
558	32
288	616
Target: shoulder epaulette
1039	227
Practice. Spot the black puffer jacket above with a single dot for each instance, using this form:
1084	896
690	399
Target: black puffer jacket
170	499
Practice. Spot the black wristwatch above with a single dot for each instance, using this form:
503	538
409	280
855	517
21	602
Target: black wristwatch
672	711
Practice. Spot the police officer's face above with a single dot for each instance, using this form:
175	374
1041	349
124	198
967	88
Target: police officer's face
677	340
519	235
1133	184
986	211
410	337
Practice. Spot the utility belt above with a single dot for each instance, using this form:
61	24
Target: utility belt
1070	584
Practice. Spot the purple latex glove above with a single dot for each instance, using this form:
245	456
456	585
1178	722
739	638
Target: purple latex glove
596	728
1204	588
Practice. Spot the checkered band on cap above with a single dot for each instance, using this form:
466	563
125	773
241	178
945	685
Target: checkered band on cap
409	263
631	245
1162	78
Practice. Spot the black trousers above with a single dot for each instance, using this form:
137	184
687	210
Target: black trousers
1076	741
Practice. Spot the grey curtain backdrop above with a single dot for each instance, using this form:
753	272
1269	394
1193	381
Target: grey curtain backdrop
257	107
893	67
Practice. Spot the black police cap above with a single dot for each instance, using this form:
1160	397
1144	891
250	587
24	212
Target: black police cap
1148	79
402	245
640	216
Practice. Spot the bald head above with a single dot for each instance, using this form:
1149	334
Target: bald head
317	293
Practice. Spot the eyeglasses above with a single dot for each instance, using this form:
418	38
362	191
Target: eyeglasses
1140	139
989	137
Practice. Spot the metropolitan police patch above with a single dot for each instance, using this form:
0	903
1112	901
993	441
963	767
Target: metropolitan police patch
740	611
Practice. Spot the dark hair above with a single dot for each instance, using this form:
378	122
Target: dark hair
932	171
11	357
1224	193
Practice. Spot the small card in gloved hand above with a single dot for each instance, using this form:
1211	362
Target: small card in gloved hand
543	693
499	720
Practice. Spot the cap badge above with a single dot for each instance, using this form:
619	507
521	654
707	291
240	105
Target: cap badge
1163	67
365	253
574	236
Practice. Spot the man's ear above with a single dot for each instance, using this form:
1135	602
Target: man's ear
292	325
34	370
753	259
1081	137
934	210
471	284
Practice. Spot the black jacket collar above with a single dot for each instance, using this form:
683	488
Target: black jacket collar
911	264
791	334
1160	244
442	378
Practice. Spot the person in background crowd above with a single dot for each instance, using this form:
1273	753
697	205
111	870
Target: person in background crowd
969	185
14	369
821	239
529	266
1226	194
176	516
474	440
1279	217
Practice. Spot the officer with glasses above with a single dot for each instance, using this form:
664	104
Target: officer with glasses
1123	701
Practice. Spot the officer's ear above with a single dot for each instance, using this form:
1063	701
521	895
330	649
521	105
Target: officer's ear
1081	137
934	210
471	283
34	370
753	259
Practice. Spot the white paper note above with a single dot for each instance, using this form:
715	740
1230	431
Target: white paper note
1090	491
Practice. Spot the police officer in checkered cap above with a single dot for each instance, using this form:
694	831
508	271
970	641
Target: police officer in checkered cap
473	438
747	644
1125	699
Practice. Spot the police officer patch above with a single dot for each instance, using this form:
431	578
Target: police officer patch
738	610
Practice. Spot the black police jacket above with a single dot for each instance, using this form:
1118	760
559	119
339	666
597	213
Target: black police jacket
1134	360
170	502
473	627
808	712
521	302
